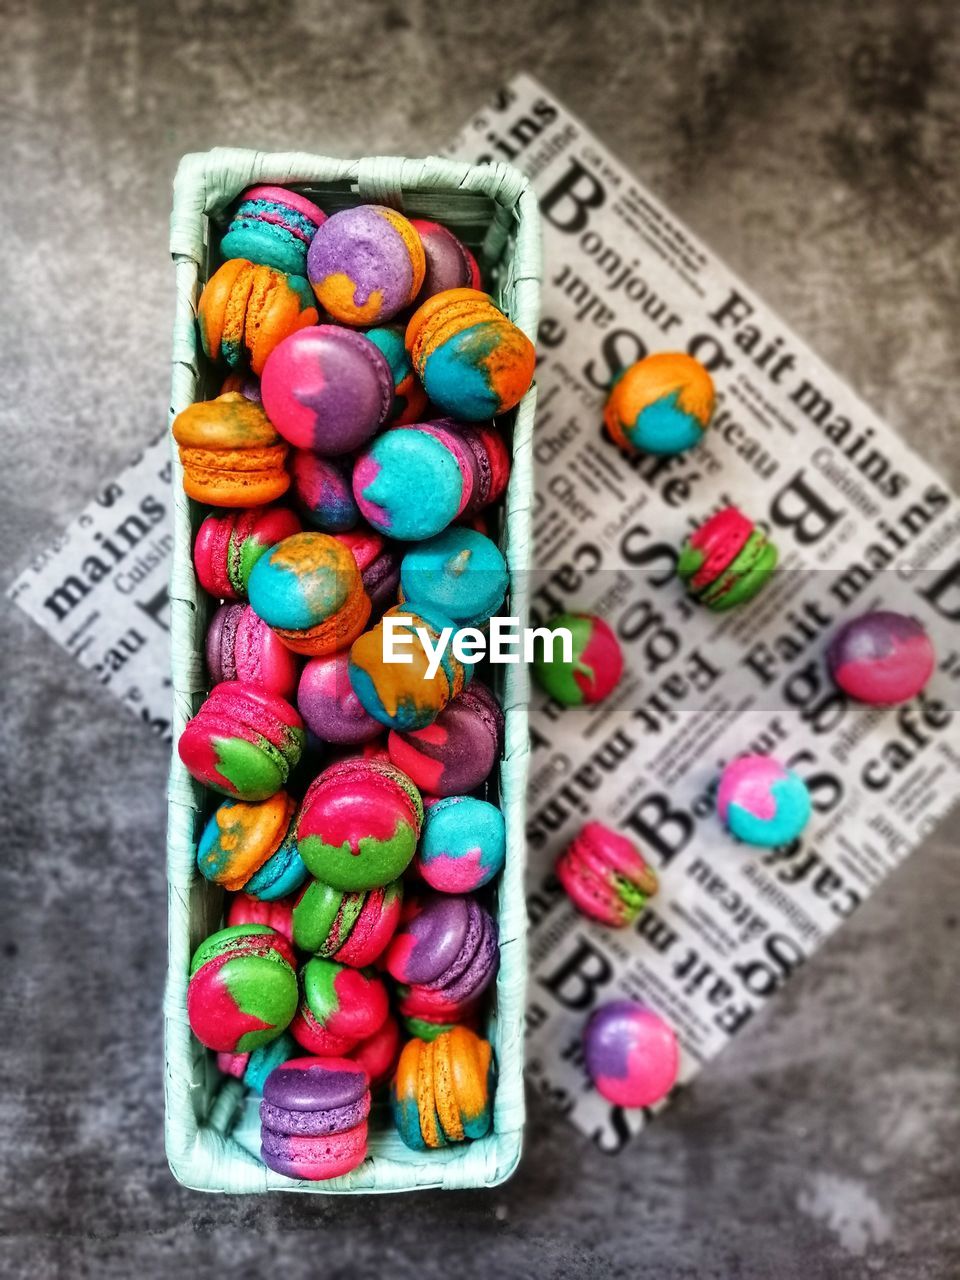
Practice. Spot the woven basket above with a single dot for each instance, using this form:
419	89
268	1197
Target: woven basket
212	1127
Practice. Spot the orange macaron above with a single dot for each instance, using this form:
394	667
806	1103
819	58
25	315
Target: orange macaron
231	454
246	310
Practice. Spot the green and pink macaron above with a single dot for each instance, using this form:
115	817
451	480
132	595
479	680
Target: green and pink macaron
595	661
727	560
243	988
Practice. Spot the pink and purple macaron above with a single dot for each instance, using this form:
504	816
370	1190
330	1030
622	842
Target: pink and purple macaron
253	847
409	397
881	657
351	928
446	949
631	1054
240	646
242	991
449	263
243	741
327	389
460	573
596	661
457	752
273	226
762	802
228	545
605	876
339	1007
322	491
366	264
313	1118
463	844
379	565
330	708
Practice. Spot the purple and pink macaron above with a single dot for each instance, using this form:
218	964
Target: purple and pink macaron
323	493
881	657
366	264
330	708
463	845
605	876
313	1118
631	1054
273	226
457	752
240	646
762	802
446	950
449	263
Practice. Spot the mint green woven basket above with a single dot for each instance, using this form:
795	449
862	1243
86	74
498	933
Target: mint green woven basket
212	1127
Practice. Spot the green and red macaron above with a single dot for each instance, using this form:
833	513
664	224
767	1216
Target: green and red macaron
243	988
726	560
339	1007
596	660
351	928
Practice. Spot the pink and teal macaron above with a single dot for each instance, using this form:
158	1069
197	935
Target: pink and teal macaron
330	708
313	1118
412	481
726	560
366	264
253	847
631	1054
243	741
605	876
449	263
458	751
596	660
881	657
339	1007
243	988
327	389
253	1068
273	226
461	573
762	802
660	404
446	947
409	397
240	646
228	545
351	928
463	845
323	492
359	824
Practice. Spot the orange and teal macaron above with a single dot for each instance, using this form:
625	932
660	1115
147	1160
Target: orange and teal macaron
231	453
595	664
661	404
253	847
245	310
726	560
243	988
365	264
443	1090
409	397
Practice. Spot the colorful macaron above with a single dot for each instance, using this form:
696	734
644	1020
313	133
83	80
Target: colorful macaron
253	847
228	546
473	362
351	928
605	876
595	665
230	453
240	646
449	263
762	802
726	560
253	1068
443	1090
409	397
242	380
313	1118
273	226
457	752
330	708
308	588
446	946
460	573
463	845
378	1054
242	991
491	460
246	310
403	695
411	482
881	657
323	492
365	264
359	824
661	404
276	914
243	741
327	389
630	1053
379	565
339	1007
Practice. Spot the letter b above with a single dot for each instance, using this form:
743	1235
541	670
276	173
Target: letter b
567	202
574	982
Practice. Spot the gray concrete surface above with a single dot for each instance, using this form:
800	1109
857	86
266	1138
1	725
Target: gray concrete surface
816	146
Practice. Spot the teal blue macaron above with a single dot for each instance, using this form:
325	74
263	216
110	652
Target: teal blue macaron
461	573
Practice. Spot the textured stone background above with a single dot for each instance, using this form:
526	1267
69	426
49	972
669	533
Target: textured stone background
814	145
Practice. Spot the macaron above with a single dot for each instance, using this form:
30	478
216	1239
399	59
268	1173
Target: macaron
422	1006
457	752
491	460
463	844
253	846
762	802
378	1054
313	1118
308	589
596	663
273	226
246	310
726	560
379	565
402	695
409	397
472	360
242	991
365	264
443	1090
412	481
323	492
445	946
605	876
243	741
359	824
230	453
245	382
449	263
327	389
276	913
253	1068
240	646
881	657
460	573
228	546
339	1007
350	927
329	707
425	1029
661	404
630	1053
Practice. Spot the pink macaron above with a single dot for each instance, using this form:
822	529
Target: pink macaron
240	646
228	545
456	753
605	876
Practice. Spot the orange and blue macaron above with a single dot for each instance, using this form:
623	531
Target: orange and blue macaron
661	404
230	452
253	846
443	1090
245	310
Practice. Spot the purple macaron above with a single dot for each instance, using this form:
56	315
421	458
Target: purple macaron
323	491
450	264
456	754
330	708
327	389
313	1117
365	264
446	944
240	646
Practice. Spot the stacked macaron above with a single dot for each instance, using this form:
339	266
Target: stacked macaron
357	918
